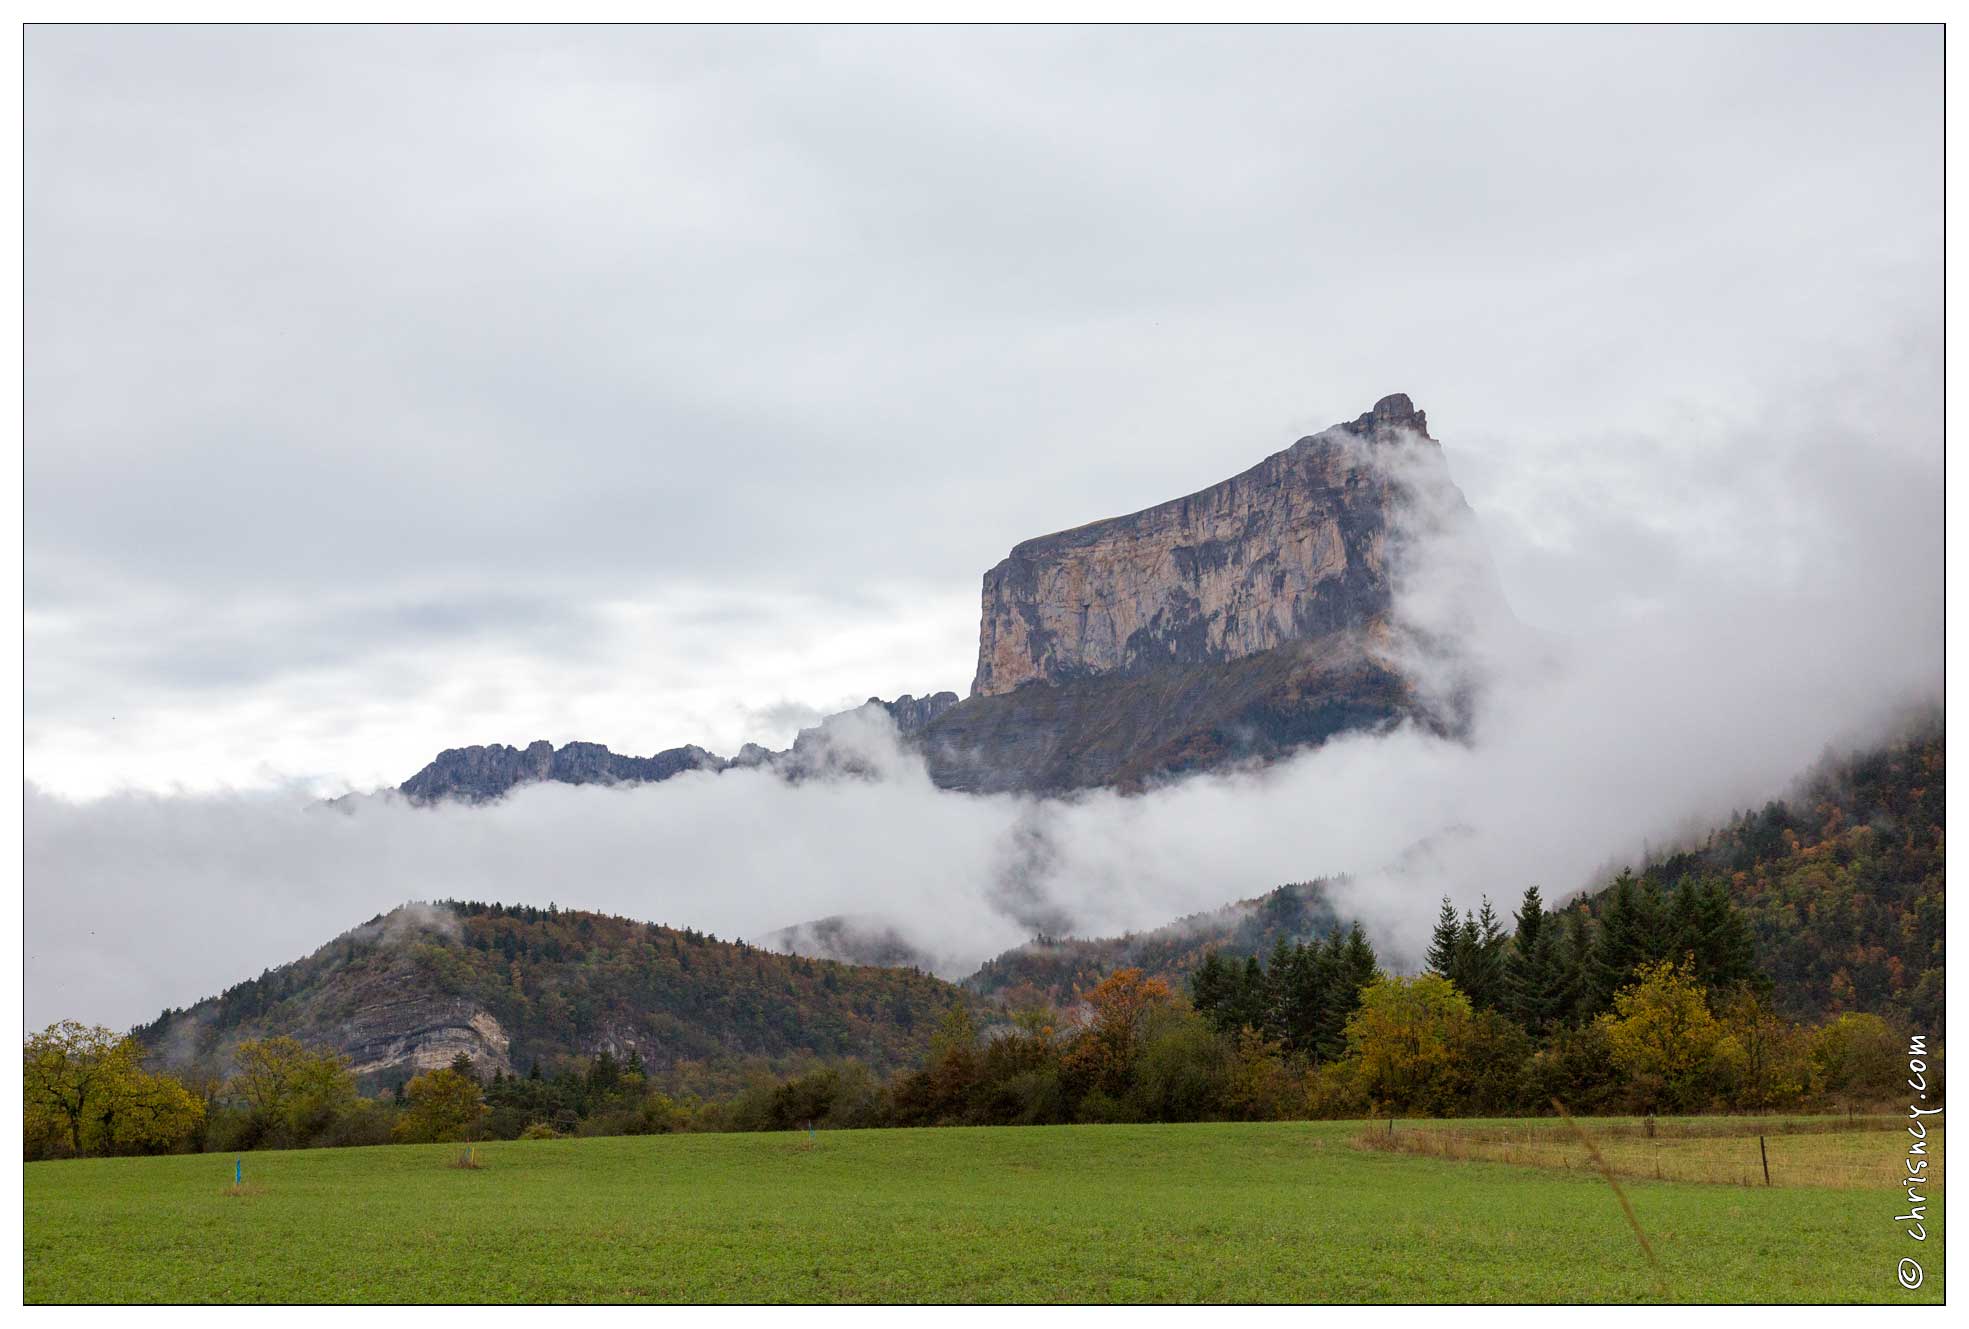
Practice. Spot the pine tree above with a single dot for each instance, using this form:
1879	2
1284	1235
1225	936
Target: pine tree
1213	989
1280	995
1575	985
1533	974
1721	942
1444	942
1628	937
1485	965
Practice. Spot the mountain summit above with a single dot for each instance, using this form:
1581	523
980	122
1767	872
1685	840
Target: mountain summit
1241	621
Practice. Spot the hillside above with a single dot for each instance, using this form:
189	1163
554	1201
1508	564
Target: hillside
510	985
1842	883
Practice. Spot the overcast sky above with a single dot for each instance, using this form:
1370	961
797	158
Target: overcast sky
393	390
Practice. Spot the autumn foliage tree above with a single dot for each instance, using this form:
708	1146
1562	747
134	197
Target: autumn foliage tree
86	1091
292	1093
441	1105
1664	1039
1404	1042
1119	1011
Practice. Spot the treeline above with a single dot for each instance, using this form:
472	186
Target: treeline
1648	1004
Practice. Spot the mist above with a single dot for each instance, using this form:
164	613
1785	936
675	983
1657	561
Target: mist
1752	594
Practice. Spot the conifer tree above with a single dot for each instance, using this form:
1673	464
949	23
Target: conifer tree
1534	972
1485	964
1444	942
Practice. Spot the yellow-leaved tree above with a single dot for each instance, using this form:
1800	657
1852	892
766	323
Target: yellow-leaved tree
443	1105
292	1093
86	1092
1404	1041
1664	1040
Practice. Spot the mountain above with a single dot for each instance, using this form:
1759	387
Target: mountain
508	985
1239	622
483	774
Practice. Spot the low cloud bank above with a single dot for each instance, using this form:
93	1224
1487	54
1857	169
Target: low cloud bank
1798	607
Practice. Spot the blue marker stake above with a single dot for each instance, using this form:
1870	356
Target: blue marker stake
237	1163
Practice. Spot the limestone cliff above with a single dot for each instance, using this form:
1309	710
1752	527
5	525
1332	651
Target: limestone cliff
1292	549
1239	623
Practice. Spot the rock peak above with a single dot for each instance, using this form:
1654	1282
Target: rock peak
1395	411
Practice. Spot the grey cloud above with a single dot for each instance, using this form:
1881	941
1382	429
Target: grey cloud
395	388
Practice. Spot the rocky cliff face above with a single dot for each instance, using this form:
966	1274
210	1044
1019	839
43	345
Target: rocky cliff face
1239	623
1292	549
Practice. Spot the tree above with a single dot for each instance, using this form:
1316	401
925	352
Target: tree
954	1064
1480	958
292	1093
85	1089
1719	939
1632	933
68	1072
1402	1042
1535	980
1120	1008
1771	1065
1575	993
1214	991
1445	943
443	1106
1664	1040
1858	1060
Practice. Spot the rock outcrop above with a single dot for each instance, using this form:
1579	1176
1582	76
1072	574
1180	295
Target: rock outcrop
1239	623
1292	549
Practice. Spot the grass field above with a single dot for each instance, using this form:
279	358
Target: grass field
1803	1151
1276	1212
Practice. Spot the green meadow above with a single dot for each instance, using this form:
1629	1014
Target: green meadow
1288	1212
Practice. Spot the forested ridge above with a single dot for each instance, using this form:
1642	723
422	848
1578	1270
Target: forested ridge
1841	884
566	983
